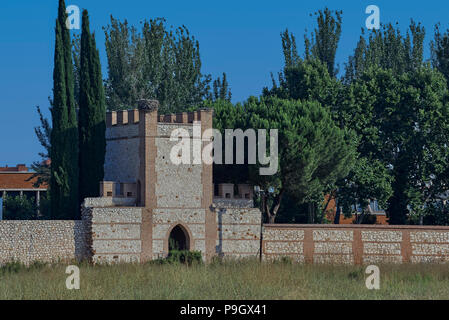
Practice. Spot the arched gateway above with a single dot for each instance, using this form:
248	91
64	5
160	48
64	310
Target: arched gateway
179	239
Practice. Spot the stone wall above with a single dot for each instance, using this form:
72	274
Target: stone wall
238	232
191	220
122	160
45	241
356	244
177	186
115	232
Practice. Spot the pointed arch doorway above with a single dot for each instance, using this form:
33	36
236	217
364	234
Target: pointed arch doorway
178	239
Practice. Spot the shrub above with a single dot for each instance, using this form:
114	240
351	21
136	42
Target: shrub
19	208
16	266
11	267
184	257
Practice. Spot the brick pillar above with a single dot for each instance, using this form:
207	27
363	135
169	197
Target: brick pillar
147	134
205	116
309	246
357	246
148	119
406	246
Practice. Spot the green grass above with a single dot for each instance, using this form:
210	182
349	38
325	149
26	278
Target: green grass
228	280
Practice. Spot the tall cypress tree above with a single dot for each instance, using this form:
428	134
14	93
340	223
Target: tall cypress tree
64	136
92	114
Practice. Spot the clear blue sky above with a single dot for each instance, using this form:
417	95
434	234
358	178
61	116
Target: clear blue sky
240	38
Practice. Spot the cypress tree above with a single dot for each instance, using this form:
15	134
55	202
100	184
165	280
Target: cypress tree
64	136
92	113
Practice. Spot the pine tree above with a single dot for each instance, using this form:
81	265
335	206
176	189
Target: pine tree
64	136
92	113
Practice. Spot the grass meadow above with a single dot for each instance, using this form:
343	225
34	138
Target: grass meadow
224	280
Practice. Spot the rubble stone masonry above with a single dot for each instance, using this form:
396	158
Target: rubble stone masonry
45	241
356	244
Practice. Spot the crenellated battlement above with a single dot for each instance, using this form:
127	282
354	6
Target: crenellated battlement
117	118
114	118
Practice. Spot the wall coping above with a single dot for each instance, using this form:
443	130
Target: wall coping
353	226
42	221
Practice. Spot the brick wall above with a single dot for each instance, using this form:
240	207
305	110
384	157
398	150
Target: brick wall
45	241
356	244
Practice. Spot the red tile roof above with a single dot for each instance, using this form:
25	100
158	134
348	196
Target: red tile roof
18	168
16	178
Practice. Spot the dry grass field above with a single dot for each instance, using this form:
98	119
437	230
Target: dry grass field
225	280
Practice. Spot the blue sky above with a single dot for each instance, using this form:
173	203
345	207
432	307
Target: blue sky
240	38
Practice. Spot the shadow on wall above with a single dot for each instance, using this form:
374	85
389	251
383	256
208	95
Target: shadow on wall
82	237
219	247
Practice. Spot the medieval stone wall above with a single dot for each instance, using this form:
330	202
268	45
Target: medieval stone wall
122	160
238	232
44	241
177	186
356	244
115	232
191	220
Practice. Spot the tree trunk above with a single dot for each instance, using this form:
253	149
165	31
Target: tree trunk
337	214
311	213
331	196
362	215
271	213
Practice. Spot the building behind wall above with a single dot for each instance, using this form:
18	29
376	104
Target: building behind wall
18	181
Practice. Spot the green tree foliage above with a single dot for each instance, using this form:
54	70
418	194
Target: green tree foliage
425	109
401	121
228	116
313	151
373	108
436	213
440	51
387	48
323	42
19	208
92	114
158	63
64	134
221	89
368	180
76	56
42	172
306	79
